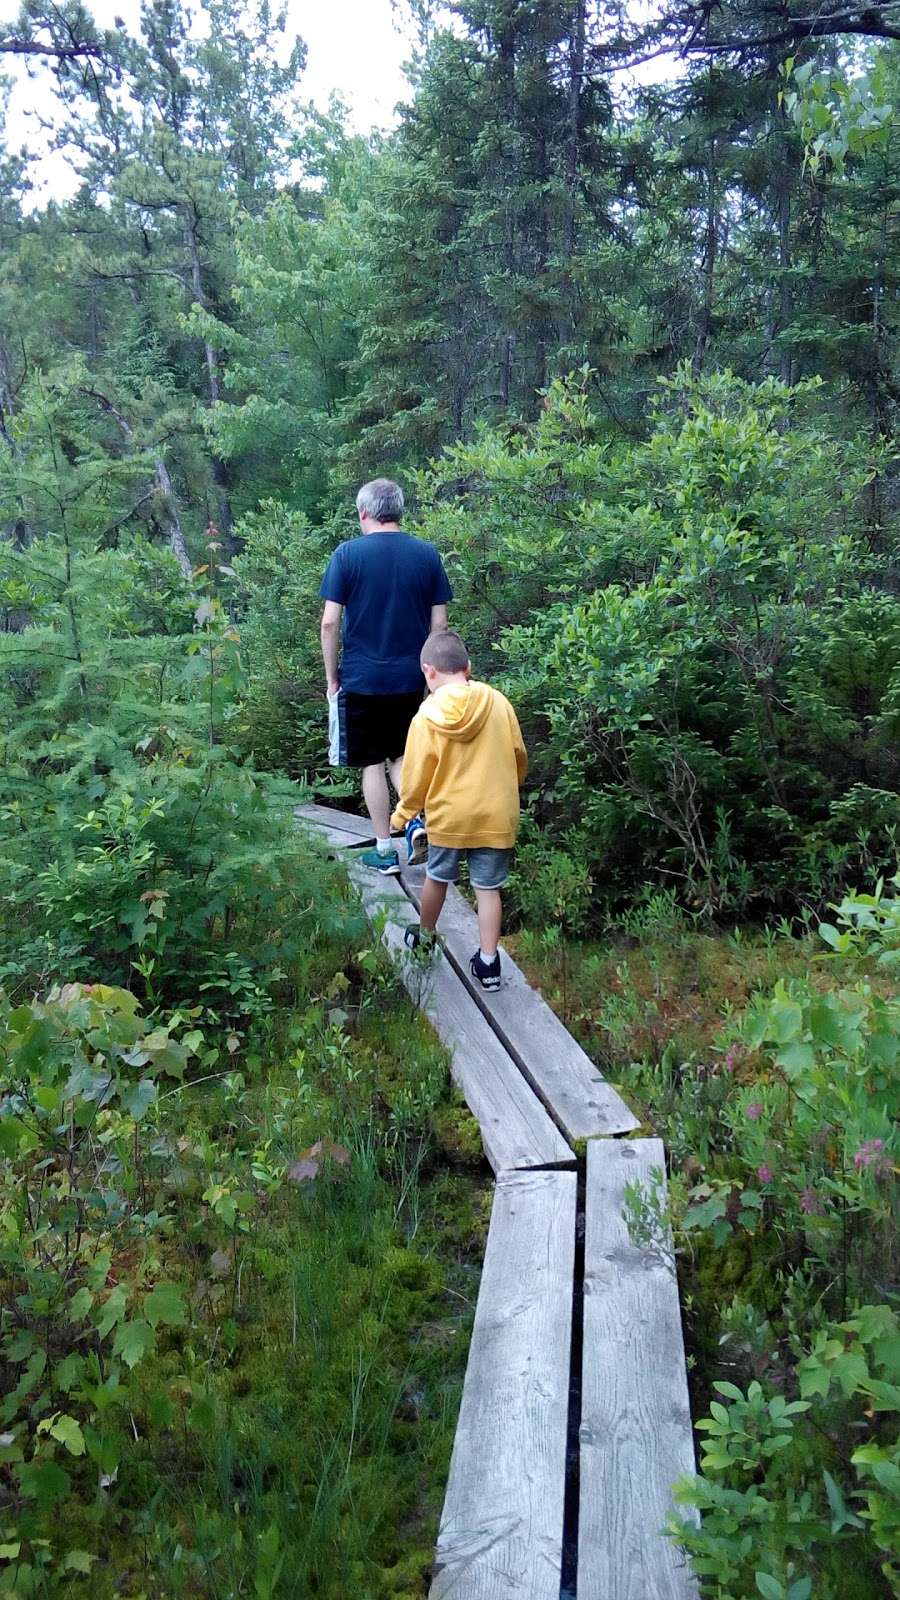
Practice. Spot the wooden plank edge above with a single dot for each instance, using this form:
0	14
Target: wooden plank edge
619	1428
619	1119
330	817
549	1148
496	1489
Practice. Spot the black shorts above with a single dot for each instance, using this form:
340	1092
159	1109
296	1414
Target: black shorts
373	727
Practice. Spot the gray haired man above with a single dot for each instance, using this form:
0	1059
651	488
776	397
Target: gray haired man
384	593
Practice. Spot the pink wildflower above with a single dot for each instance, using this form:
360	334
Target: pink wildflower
755	1110
871	1154
764	1173
810	1203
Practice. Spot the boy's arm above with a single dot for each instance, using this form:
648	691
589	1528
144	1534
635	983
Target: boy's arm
521	753
419	762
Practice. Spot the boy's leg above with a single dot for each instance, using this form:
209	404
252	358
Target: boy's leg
433	896
490	918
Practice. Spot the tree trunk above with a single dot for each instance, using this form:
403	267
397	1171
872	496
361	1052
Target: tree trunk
704	321
506	99
576	78
785	297
219	470
175	531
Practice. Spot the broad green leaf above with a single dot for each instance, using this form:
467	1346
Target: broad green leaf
165	1303
68	1431
796	1057
133	1341
79	1561
140	1098
112	1311
44	1481
769	1587
80	1304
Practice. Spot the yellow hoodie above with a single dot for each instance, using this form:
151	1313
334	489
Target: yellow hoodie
463	764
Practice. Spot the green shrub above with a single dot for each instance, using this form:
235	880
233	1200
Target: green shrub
136	843
797	1496
693	631
84	1299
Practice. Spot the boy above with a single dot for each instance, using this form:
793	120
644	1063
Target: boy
463	764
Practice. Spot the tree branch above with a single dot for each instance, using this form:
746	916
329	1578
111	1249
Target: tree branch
689	34
80	50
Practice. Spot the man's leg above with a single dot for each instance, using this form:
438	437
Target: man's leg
490	915
433	896
377	798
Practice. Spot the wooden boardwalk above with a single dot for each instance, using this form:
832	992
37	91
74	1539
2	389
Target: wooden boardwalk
502	1526
534	1092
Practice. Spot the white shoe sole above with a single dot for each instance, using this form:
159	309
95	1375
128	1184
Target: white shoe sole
418	849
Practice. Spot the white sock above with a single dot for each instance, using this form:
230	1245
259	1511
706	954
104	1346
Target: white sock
488	960
383	846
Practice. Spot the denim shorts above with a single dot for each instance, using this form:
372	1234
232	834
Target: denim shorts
488	869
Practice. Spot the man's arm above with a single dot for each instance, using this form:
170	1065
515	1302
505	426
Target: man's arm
438	618
330	634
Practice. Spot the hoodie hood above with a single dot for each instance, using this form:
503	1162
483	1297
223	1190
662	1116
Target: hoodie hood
459	710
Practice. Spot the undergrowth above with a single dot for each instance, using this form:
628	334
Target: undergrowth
236	1294
767	1060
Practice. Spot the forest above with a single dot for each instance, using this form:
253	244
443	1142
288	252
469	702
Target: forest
630	340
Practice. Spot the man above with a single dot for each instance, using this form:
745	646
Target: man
390	591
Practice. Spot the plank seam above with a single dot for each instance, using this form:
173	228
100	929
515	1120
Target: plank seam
568	1581
511	1049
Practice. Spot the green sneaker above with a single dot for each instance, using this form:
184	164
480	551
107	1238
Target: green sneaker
387	862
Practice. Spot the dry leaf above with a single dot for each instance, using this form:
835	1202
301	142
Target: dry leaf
303	1171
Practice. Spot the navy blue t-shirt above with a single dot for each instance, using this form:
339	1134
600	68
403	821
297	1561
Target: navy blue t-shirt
387	584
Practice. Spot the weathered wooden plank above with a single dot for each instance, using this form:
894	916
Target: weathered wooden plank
501	1527
515	1129
636	1420
327	817
576	1094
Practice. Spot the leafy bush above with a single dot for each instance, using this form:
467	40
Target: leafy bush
800	1476
175	1245
136	843
282	719
692	631
83	1298
794	1494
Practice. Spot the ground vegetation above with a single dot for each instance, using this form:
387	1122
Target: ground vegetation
630	340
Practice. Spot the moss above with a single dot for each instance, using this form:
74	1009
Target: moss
410	1575
457	1135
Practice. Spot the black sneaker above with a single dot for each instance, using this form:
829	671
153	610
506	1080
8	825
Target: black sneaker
420	939
486	972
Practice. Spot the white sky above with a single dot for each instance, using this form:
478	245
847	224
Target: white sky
354	48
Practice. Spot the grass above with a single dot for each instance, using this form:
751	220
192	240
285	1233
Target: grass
664	987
